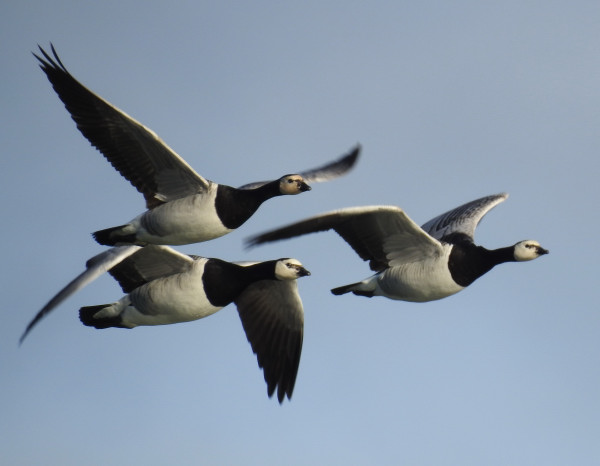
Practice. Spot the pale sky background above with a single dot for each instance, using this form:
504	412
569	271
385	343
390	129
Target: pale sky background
450	100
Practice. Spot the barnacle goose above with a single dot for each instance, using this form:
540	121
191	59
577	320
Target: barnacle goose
412	263
182	206
164	286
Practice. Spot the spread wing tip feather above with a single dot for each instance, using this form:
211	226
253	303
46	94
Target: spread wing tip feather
48	61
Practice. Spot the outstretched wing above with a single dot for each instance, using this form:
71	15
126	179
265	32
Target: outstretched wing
463	219
326	172
134	150
95	267
273	318
147	264
383	235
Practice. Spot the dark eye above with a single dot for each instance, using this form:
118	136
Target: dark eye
290	181
529	246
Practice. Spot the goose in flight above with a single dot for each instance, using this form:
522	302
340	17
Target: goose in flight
182	206
412	263
163	287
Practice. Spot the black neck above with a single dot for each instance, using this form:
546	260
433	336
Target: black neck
261	271
235	206
468	262
229	280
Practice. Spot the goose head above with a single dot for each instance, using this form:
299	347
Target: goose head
292	184
289	269
528	250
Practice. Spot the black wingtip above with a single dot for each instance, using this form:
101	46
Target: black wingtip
253	241
282	392
48	61
39	316
355	152
351	157
29	327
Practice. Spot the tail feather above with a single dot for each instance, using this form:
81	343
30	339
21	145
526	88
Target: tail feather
343	289
113	236
86	316
353	288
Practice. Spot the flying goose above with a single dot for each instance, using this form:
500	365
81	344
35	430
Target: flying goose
412	263
183	207
164	286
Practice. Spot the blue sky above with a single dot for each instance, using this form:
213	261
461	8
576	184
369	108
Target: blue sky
450	101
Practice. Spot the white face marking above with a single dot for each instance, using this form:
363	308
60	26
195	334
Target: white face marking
289	269
528	250
292	184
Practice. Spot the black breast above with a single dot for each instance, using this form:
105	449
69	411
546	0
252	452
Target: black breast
235	206
223	282
468	262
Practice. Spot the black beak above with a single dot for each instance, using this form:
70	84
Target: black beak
541	251
303	186
302	272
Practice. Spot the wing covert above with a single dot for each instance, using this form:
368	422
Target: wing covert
147	264
463	219
378	234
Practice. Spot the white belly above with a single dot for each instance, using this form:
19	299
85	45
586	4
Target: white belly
417	282
177	298
192	219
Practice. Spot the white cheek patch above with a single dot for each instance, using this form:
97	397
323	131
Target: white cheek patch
527	250
284	272
290	188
